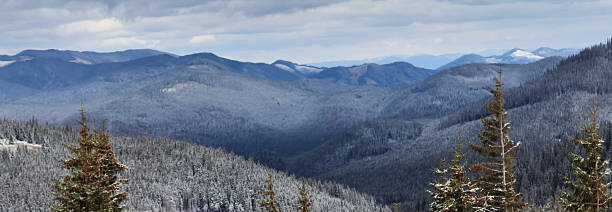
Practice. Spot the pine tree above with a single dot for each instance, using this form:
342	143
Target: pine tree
304	200
588	191
496	176
269	204
454	191
93	183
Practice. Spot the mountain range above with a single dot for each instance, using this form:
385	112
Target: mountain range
206	97
544	110
445	61
379	129
425	61
514	56
79	57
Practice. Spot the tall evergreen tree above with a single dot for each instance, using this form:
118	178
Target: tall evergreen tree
93	183
496	176
269	203
454	191
588	191
304	200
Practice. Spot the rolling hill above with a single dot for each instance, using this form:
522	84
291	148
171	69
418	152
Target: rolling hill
86	57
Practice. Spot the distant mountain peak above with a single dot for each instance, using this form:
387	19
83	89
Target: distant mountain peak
283	62
544	49
513	51
84	57
422	60
520	53
202	54
514	56
296	68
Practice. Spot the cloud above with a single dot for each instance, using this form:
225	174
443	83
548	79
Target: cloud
129	42
490	2
302	31
201	39
159	8
91	26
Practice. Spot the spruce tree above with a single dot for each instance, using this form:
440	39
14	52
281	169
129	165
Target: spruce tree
304	200
588	191
269	204
496	176
93	183
454	191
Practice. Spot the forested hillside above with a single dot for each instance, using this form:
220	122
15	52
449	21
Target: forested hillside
457	87
545	112
587	71
210	101
281	114
393	74
219	102
163	174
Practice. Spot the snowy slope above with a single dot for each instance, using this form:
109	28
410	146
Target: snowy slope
514	56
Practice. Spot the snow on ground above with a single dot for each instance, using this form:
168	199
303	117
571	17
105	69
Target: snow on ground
79	60
492	60
6	144
284	67
525	54
307	69
181	86
300	68
5	63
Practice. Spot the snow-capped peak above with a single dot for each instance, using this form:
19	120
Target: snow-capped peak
307	69
525	54
292	67
284	67
5	63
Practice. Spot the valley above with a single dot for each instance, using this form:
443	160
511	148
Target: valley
305	106
378	129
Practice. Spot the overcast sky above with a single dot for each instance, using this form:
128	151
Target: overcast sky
301	30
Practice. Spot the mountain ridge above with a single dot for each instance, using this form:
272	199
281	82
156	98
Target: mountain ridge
425	61
84	57
544	110
513	56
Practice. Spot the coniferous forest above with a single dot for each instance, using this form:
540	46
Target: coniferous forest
163	174
309	106
540	145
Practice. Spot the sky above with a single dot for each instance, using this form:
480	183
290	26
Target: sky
302	31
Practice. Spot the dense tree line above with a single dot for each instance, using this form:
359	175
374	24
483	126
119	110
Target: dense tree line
369	139
494	189
401	174
544	127
578	174
458	87
164	174
587	71
544	112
